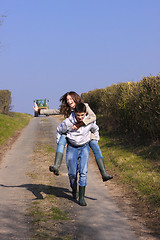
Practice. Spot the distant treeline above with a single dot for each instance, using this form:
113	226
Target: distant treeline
132	107
5	101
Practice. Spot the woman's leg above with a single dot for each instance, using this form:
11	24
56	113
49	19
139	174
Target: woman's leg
99	159
59	155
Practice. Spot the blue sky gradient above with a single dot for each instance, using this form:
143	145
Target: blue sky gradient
49	47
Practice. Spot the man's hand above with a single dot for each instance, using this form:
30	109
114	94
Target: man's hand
78	125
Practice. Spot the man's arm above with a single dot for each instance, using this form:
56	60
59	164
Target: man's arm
63	128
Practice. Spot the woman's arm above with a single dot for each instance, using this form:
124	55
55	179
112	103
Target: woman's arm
91	115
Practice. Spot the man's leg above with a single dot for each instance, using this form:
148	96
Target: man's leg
71	160
83	169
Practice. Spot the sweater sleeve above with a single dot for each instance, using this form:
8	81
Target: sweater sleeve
91	115
95	131
63	128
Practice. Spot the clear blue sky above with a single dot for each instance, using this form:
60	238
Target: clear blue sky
49	47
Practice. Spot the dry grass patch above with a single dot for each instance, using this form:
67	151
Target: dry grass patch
47	216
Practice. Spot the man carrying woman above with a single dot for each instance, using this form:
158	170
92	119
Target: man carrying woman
68	104
77	154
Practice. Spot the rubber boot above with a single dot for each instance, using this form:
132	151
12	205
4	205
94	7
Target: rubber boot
74	192
101	166
81	196
57	163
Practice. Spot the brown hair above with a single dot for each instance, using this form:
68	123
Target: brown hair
64	107
80	108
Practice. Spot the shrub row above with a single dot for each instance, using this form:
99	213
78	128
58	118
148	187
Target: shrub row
5	101
133	107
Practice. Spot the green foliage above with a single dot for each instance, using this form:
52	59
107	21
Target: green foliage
5	101
95	99
132	107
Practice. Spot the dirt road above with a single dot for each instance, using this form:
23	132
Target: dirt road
13	200
101	219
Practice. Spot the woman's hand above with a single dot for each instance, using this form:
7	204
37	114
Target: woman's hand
35	107
78	125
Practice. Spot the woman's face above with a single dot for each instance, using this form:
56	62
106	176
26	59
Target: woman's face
71	102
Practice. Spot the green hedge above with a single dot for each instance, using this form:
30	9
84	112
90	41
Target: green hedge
133	107
5	101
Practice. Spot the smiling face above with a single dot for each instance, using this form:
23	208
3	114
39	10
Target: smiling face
70	101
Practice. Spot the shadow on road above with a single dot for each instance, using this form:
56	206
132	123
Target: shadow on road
38	189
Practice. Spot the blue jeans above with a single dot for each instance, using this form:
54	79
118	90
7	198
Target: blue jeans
77	161
93	145
61	144
96	149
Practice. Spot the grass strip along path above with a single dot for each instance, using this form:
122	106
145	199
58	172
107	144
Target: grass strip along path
10	124
10	128
136	168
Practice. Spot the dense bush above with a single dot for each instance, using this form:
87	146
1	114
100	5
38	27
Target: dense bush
133	107
5	101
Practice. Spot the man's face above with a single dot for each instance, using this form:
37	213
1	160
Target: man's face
80	116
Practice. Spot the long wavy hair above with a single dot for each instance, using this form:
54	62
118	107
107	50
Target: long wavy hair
64	107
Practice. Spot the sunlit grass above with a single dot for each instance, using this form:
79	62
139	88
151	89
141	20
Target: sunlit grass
134	168
9	124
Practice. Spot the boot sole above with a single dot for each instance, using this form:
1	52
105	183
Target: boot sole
83	204
52	169
106	179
